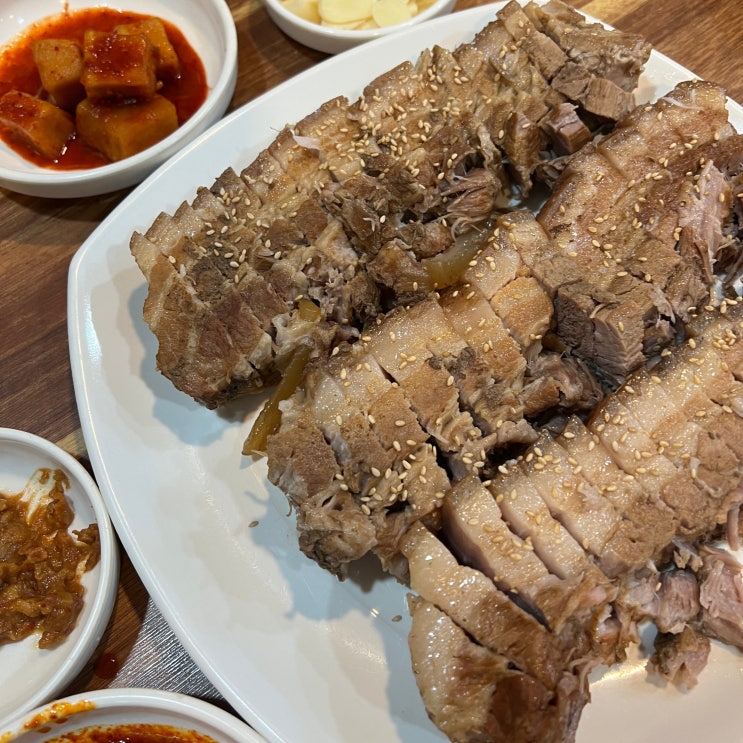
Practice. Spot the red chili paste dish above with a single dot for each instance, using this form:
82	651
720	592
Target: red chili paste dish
128	715
132	733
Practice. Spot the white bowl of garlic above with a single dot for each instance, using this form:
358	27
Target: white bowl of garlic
333	26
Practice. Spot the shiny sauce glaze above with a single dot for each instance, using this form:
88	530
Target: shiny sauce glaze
187	91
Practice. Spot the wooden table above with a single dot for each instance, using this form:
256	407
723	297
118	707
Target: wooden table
38	238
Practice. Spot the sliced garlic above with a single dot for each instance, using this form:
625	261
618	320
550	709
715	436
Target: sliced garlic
353	15
344	11
390	12
306	9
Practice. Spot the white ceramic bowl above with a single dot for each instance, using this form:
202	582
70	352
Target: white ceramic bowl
127	706
209	28
332	40
30	676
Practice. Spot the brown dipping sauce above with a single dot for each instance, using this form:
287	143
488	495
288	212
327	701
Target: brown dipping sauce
187	91
134	733
40	590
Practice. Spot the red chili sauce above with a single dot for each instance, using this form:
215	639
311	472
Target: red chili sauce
134	733
187	91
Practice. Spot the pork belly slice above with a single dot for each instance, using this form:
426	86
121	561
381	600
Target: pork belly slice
587	514
698	383
638	454
402	345
604	327
462	369
347	428
507	342
475	320
694	433
220	352
527	514
471	693
381	458
485	613
332	527
415	346
488	373
332	132
654	523
205	269
476	529
668	437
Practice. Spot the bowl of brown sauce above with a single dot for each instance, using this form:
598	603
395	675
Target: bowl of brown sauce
60	565
95	96
131	715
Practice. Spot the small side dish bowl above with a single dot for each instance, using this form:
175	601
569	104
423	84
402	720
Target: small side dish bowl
334	40
209	28
30	676
197	721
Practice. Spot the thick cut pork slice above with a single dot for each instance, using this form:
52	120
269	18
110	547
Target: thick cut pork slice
480	536
488	615
531	518
586	513
692	421
654	524
382	467
472	694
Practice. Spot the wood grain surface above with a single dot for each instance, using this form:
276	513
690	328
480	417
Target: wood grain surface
38	238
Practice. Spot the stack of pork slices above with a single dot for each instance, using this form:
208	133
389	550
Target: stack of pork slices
536	576
452	418
365	205
445	440
453	384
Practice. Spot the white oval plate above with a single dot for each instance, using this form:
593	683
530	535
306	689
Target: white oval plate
303	657
30	676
